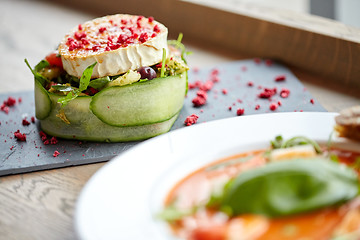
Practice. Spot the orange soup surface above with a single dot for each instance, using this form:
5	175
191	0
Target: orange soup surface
195	189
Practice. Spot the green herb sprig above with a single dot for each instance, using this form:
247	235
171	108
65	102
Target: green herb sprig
84	83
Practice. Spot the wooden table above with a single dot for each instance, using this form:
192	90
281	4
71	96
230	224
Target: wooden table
40	205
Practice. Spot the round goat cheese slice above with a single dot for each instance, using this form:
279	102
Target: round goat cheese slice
117	43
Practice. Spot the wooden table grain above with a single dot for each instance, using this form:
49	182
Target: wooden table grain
40	205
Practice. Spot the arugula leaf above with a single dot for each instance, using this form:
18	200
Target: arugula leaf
84	82
42	80
99	82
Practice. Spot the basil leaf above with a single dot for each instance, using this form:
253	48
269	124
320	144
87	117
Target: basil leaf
63	88
42	80
84	82
42	64
99	82
290	187
86	76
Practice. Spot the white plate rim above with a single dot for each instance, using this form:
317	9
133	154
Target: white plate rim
95	198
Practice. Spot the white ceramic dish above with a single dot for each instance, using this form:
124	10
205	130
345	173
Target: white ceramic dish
121	200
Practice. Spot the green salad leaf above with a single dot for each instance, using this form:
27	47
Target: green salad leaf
290	187
99	83
84	82
38	77
63	88
279	142
177	43
41	65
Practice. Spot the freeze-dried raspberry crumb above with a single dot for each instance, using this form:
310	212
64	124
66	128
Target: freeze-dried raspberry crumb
19	100
10	102
257	107
53	141
43	136
33	119
20	136
196	84
280	78
198	101
56	153
207	86
195	69
25	122
202	94
215	79
230	108
46	142
257	60
4	108
279	103
268	62
190	120
312	101
224	91
284	93
273	106
250	84
191	85
215	71
240	111
267	93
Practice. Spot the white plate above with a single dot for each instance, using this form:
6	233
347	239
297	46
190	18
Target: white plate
121	200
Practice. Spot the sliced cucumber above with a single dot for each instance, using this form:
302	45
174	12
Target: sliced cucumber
140	103
84	125
42	101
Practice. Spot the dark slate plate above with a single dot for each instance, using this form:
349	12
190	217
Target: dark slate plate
231	91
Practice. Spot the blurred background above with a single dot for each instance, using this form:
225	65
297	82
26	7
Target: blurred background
345	11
